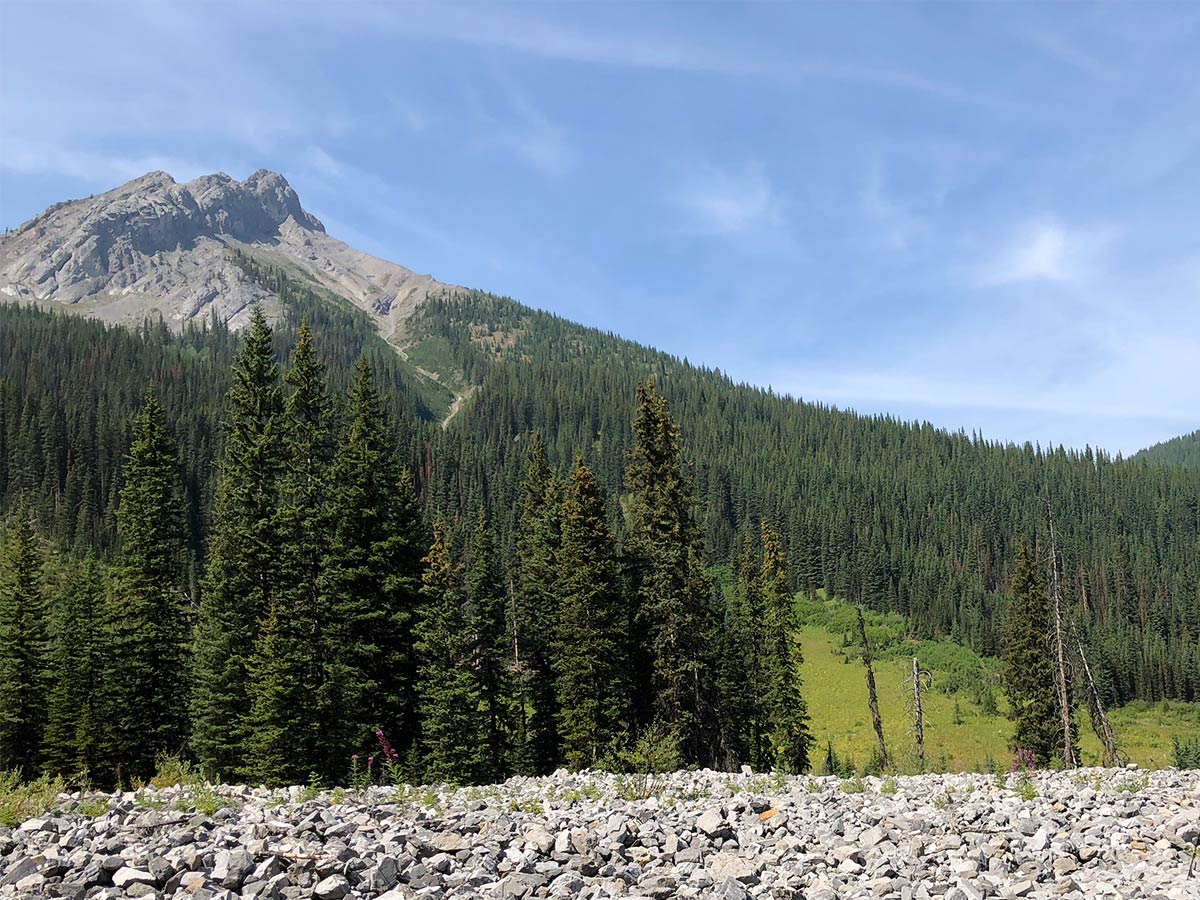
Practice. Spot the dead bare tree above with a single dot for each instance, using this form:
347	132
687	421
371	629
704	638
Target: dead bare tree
1100	722
872	698
921	679
1064	696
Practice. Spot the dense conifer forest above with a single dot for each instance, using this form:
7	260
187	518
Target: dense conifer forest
1180	451
289	545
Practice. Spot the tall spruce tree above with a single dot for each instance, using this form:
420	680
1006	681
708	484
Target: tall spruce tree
491	653
1028	668
79	659
372	575
741	674
590	663
23	648
788	739
672	588
244	571
145	694
454	725
535	611
288	741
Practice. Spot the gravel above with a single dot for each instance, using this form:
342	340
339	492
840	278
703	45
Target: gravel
1114	833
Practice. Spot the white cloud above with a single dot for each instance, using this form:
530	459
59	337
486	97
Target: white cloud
23	157
487	27
897	227
535	140
516	126
1043	252
324	163
1064	51
719	201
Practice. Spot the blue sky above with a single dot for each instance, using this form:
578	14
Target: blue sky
983	215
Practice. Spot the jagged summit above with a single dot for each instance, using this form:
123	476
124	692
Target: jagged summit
154	245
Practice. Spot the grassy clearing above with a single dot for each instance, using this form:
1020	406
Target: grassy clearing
836	693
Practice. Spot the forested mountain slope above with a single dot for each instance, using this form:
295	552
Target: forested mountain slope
1181	451
907	517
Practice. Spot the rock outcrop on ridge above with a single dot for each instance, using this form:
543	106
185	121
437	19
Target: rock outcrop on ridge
155	247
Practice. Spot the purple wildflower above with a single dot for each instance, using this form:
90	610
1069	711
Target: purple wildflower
388	749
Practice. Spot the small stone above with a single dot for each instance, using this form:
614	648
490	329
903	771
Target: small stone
231	868
711	822
125	876
1065	865
335	887
449	842
729	865
541	839
30	884
731	889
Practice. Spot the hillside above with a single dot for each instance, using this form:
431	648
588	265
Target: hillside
965	710
1181	451
910	519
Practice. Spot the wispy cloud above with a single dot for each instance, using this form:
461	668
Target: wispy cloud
324	163
31	157
896	225
533	138
724	201
537	37
1064	51
1043	251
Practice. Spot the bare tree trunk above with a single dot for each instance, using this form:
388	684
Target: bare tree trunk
1064	698
918	714
517	668
1100	722
871	696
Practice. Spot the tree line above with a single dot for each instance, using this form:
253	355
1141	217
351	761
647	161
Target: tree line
330	614
904	517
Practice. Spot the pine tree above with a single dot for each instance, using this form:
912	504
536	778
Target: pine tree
535	611
490	653
454	725
79	657
672	587
1028	667
145	692
787	734
244	565
372	576
590	663
741	682
23	648
288	741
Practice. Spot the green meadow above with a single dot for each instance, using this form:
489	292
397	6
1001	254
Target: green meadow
961	731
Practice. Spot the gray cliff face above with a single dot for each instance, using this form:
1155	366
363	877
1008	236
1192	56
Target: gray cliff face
153	246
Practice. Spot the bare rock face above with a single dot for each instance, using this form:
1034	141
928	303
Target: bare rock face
155	247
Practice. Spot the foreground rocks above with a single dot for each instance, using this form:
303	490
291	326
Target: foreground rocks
1093	833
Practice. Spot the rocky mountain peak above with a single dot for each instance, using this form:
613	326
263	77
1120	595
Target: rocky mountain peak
154	245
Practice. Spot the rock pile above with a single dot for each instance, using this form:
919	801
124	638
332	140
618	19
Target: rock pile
1092	833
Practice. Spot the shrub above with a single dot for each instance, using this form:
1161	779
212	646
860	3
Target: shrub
1187	753
841	766
641	763
172	771
19	802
